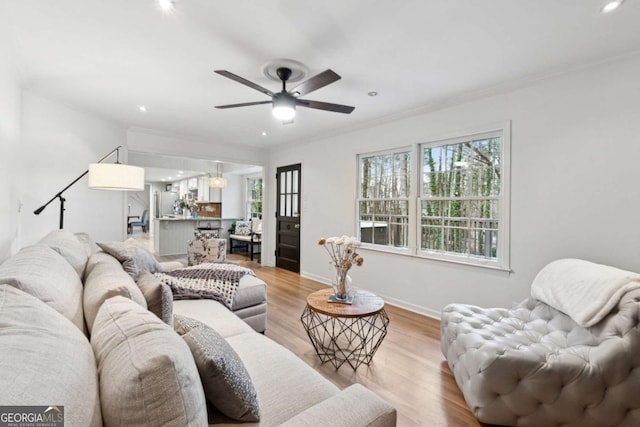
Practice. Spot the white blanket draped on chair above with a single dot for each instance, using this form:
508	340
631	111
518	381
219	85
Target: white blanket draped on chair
583	290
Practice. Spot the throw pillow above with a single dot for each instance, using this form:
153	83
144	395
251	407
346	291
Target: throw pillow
227	384
158	295
243	228
45	360
135	259
183	324
147	373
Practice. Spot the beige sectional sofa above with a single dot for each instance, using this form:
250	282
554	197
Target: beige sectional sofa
75	332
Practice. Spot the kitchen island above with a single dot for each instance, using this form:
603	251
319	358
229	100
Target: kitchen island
171	234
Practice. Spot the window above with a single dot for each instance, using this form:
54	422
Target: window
461	198
383	205
254	198
459	209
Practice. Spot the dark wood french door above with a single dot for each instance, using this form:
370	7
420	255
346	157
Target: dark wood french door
288	181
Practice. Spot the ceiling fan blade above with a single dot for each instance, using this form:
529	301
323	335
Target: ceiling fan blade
336	108
244	104
314	83
244	82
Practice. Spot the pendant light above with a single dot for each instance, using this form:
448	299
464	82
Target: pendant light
217	181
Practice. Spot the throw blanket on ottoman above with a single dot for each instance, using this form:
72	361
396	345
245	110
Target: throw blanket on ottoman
218	281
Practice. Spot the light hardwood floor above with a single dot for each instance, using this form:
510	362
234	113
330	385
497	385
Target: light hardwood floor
408	370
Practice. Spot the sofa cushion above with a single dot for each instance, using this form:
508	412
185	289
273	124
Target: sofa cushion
147	374
45	359
225	379
158	296
284	383
105	280
134	258
88	243
42	272
213	314
251	291
70	247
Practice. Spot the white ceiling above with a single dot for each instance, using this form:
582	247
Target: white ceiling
109	57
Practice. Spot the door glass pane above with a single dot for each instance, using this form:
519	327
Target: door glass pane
288	205
283	188
295	204
295	181
289	175
282	205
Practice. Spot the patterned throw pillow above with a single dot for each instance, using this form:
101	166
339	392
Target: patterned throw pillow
243	228
183	324
226	382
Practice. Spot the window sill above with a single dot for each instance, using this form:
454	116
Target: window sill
447	259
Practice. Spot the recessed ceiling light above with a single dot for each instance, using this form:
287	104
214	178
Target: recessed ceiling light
166	5
373	93
610	6
162	179
142	108
169	178
264	133
180	172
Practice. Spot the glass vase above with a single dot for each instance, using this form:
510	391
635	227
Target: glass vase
341	284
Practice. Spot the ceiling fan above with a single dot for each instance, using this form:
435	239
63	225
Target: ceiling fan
285	102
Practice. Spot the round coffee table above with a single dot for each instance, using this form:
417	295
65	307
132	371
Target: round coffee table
345	333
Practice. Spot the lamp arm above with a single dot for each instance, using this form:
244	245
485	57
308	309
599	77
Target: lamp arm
59	193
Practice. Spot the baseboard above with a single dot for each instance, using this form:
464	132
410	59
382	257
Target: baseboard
435	314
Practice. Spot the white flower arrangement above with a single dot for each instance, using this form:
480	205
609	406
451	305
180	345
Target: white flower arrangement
342	251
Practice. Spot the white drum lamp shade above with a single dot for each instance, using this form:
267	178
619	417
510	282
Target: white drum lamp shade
116	176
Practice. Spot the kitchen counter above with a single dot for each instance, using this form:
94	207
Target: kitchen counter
172	234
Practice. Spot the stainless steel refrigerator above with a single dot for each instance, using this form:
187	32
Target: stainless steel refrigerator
165	201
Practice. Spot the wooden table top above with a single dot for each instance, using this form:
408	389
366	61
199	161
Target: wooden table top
364	304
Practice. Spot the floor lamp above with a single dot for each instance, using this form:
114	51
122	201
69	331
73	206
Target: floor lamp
104	176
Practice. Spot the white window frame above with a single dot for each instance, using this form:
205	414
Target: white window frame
503	259
411	200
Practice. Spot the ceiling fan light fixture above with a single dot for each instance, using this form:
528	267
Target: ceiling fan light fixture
167	6
610	6
284	108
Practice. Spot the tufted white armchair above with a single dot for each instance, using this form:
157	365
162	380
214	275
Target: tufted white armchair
533	365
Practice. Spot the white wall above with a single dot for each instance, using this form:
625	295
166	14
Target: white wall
574	191
58	143
233	197
147	141
10	100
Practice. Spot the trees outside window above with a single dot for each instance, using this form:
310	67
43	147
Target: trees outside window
254	198
383	205
460	197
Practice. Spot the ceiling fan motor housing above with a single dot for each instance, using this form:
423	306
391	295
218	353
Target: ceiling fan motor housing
284	73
